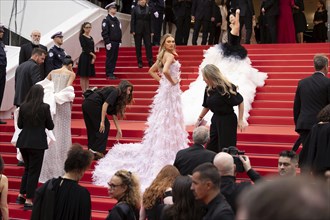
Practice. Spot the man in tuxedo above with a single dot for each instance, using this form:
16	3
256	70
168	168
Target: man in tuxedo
187	159
3	65
27	74
202	13
142	28
157	9
312	94
245	18
26	51
269	13
182	13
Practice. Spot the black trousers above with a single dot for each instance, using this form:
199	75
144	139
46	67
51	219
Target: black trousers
214	33
158	23
111	60
2	82
146	37
183	29
223	132
247	22
268	29
32	162
197	27
92	116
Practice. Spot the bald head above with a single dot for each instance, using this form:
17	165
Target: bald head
224	162
35	37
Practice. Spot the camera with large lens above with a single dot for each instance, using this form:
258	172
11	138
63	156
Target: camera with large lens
234	152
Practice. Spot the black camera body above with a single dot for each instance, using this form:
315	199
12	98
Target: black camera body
234	152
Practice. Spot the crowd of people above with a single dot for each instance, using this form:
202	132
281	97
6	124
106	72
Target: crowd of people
176	181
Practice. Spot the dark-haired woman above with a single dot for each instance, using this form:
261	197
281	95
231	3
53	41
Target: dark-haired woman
34	117
185	206
3	193
87	56
316	152
108	100
124	186
59	94
62	197
320	19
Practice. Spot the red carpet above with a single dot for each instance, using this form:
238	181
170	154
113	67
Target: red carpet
271	127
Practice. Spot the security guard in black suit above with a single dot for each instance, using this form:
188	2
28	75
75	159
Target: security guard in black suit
111	33
56	54
202	13
3	65
142	28
182	12
157	9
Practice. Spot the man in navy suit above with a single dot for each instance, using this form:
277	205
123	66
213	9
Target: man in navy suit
188	159
313	94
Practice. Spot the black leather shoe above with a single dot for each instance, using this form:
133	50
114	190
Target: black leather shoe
3	122
20	163
28	206
20	200
140	65
111	77
151	63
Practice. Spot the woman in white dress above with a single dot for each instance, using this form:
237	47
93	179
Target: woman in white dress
61	92
166	132
231	58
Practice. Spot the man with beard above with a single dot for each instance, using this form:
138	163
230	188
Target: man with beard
26	51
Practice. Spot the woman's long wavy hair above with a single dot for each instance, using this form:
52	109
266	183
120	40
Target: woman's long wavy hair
163	181
124	99
217	80
162	50
82	31
35	98
132	195
324	114
184	205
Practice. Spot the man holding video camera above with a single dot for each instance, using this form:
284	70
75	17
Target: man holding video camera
227	164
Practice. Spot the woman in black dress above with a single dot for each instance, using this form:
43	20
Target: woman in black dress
34	117
108	100
87	56
62	197
299	19
125	188
320	18
220	97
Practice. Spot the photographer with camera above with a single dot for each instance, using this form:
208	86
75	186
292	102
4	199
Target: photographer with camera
227	164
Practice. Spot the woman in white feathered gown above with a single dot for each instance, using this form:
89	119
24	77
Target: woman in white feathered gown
231	58
165	134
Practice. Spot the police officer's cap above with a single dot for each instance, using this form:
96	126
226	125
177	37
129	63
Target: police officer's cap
57	34
111	5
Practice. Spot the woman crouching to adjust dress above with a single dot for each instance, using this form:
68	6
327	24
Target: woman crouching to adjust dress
108	100
220	97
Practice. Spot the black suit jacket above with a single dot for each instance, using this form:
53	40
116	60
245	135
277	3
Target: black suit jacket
141	23
188	159
26	52
271	7
312	94
203	9
33	135
179	7
27	74
246	7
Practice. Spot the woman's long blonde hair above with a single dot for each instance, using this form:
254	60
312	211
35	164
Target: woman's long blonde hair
163	181
132	195
218	80
162	50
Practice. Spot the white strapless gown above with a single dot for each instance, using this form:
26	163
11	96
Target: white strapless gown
238	71
163	138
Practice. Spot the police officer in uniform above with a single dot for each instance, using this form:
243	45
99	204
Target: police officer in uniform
56	54
111	33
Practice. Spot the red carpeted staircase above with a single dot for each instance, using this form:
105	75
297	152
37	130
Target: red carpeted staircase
271	127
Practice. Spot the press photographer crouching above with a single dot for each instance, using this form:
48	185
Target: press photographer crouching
228	165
